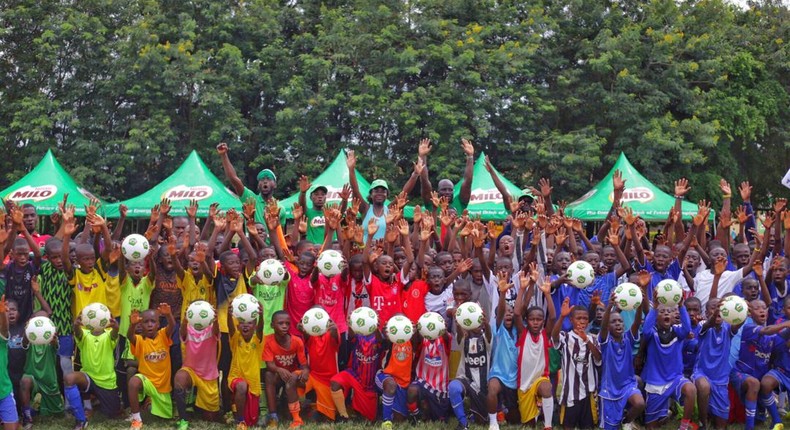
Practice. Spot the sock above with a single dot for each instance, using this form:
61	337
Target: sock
73	394
751	407
456	389
412	407
548	411
386	406
340	402
770	404
27	412
685	424
180	396
136	417
273	416
87	404
294	408
492	419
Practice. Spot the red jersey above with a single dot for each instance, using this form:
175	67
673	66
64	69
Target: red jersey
433	367
290	359
414	300
299	297
385	297
331	294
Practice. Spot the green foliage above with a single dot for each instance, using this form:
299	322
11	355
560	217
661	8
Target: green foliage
124	90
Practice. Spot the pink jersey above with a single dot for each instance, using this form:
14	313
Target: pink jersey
201	352
299	297
433	366
331	294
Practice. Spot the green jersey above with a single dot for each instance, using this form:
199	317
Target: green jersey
41	365
272	299
260	207
57	292
5	381
133	298
98	357
315	225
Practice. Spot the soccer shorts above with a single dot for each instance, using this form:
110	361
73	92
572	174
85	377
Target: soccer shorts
580	415
8	413
323	396
476	399
658	399
719	400
612	410
109	400
364	401
207	391
161	403
530	402
438	402
399	403
251	408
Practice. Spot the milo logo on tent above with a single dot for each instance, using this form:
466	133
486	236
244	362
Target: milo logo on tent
36	194
183	192
636	194
491	195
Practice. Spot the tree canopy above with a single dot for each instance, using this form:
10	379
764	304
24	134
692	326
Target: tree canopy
123	90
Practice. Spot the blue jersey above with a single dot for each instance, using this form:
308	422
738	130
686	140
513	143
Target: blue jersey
755	355
775	311
664	363
781	359
365	359
691	349
673	272
559	294
504	356
617	366
735	347
714	352
604	284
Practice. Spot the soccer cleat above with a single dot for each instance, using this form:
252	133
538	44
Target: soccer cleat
779	426
386	425
494	426
461	427
27	423
136	425
414	418
80	425
273	423
500	416
241	426
183	425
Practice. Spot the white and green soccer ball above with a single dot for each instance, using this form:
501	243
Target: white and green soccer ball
431	325
469	316
581	274
271	271
734	310
40	330
399	329
135	247
315	321
669	292
245	308
628	296
95	316
200	314
363	320
331	263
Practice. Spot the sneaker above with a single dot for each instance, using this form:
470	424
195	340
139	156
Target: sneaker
80	425
628	426
241	426
136	425
273	423
386	425
183	425
296	425
779	426
494	426
414	418
462	427
27	423
500	416
262	420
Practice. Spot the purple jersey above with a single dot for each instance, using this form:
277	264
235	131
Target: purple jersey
756	348
365	359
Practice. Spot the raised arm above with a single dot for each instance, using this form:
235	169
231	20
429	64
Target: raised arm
466	186
507	199
425	183
351	163
564	312
118	230
230	171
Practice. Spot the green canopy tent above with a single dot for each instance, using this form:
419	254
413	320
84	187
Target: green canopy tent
333	178
45	186
191	181
646	200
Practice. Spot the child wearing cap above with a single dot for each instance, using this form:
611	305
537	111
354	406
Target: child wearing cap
314	212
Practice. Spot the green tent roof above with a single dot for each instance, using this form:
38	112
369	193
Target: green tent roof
485	200
333	178
646	200
45	186
192	180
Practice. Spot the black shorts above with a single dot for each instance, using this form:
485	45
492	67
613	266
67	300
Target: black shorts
109	400
477	401
438	403
508	397
580	415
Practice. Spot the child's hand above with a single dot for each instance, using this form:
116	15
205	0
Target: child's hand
222	148
192	209
171	245
464	265
115	253
758	268
373	227
682	187
34	284
582	334
545	286
134	318
719	266
112	324
304	184
403	227
643	278
164	309
565	310
3	307
164	207
596	298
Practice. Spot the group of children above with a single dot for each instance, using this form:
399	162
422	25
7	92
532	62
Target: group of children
547	352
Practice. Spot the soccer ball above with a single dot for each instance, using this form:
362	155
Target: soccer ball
469	316
95	316
669	292
431	325
363	320
200	314
271	271
331	263
245	308
314	321
734	310
399	329
40	330
581	274
628	296
135	247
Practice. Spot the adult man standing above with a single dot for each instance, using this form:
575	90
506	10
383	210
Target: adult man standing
446	187
267	184
30	221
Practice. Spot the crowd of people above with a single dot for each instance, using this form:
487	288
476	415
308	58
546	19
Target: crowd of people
548	353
